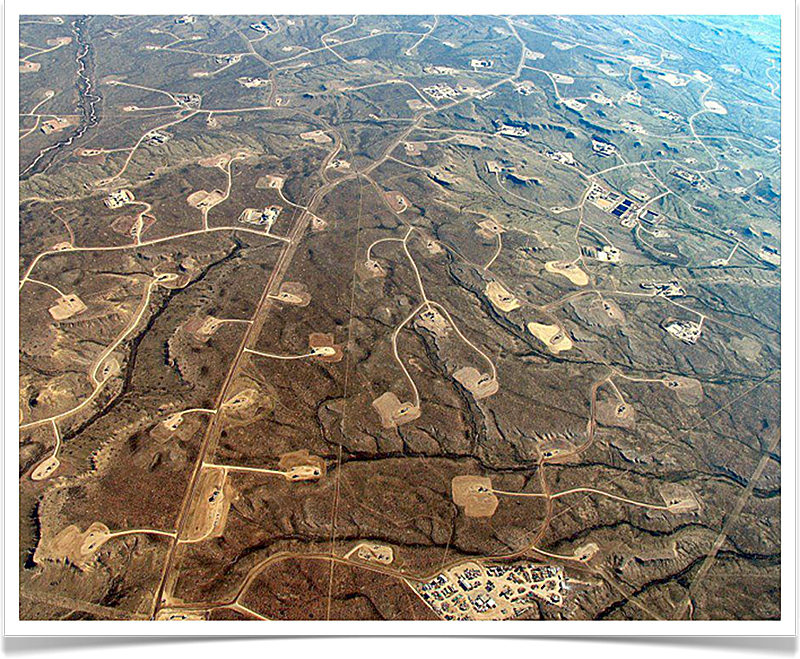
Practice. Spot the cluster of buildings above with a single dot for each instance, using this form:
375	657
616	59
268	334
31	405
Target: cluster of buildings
439	70
603	149
54	125
526	87
512	131
261	26
191	101
156	137
605	254
624	208
261	217
687	331
252	82
474	591
481	63
574	104
563	157
692	178
441	91
665	289
670	116
610	201
118	199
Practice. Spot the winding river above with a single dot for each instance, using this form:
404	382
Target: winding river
87	103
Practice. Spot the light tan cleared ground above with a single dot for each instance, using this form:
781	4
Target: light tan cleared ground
431	320
111	367
688	390
316	136
250	402
370	552
73	545
180	614
489	228
568	270
322	344
679	498
318	224
556	449
46	468
415	148
371	269
586	552
67	307
480	385
209	512
397	201
552	336
501	298
204	198
270	181
393	412
215	161
301	466
294	292
474	495
612	412
209	326
202	327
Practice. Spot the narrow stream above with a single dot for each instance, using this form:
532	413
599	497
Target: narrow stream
87	103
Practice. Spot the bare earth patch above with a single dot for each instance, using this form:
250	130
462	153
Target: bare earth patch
73	546
397	201
501	298
67	307
480	385
474	495
552	336
209	513
688	390
679	498
394	413
294	292
568	270
489	228
612	412
434	322
325	348
301	466
204	198
45	469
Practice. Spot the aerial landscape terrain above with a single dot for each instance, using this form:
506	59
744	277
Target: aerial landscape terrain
399	318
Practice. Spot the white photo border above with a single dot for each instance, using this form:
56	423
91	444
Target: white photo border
13	626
